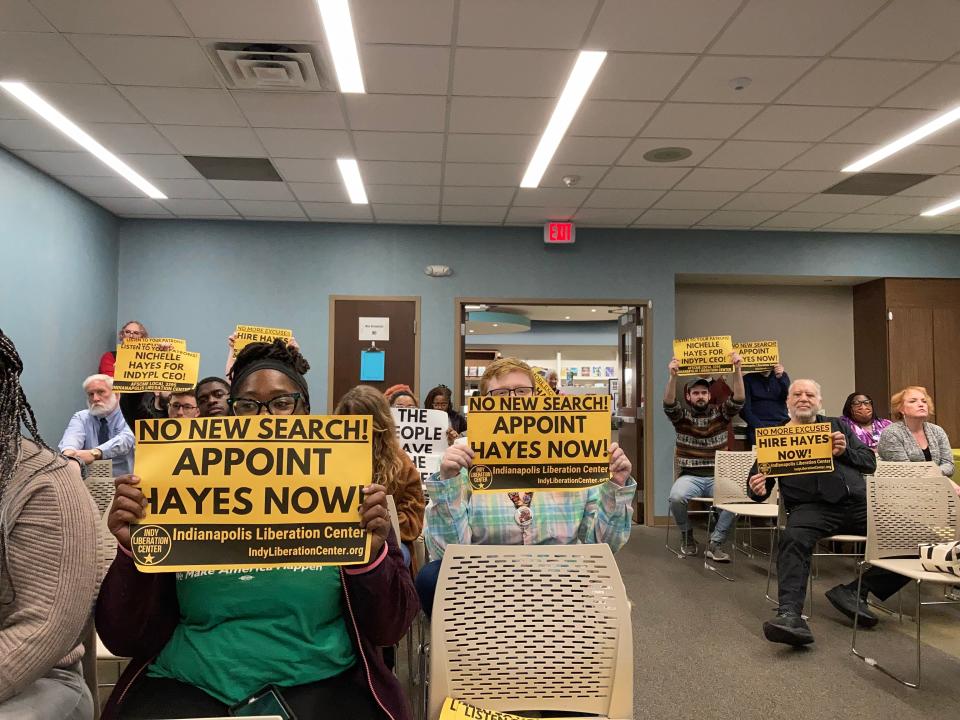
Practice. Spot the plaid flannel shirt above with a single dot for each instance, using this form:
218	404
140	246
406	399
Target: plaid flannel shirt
455	515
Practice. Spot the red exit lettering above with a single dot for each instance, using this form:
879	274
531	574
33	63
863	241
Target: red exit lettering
559	233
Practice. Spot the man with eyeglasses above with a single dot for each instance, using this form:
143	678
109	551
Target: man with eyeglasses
600	514
183	405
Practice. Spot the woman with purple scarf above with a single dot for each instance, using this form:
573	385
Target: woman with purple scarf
858	416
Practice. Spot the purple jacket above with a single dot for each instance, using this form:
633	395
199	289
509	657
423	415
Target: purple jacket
137	612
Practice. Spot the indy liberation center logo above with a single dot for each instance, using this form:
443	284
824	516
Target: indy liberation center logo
150	544
481	477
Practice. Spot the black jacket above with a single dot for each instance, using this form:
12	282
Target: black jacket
844	482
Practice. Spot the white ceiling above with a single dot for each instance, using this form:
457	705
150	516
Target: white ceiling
459	90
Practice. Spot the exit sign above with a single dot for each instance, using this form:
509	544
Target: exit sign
559	233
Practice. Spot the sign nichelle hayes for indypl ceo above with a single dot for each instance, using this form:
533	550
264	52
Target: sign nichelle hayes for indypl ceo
252	492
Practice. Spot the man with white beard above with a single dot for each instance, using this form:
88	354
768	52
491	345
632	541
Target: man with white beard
100	432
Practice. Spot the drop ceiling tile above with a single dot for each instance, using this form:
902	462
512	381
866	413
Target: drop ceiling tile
311	171
943	186
337	211
166	61
66	163
923	224
863	221
83	103
160	167
936	90
530	24
598	217
800	220
536	216
511	73
185	106
694	200
380	172
320	192
500	115
491	148
400	146
736	218
754	154
776	202
406	213
699	120
122	138
287	21
639	77
798	181
588	150
405	69
403	113
291	143
33	135
611	118
490	196
701	149
103	187
853	82
217	141
835	203
320	111
125	207
404	194
829	156
43	57
883	125
187	189
484	174
643	178
21	16
711	80
671	218
714	179
113	17
413	22
786	27
908	29
797	123
903	205
546	197
267	208
660	25
252	190
605	198
467	214
589	175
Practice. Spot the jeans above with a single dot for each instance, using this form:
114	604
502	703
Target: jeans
691	486
61	694
426	583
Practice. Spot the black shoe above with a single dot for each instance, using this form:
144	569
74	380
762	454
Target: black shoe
789	629
846	601
688	545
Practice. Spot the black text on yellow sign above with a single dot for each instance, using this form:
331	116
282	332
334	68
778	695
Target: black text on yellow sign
758	355
542	386
458	710
145	370
246	334
704	355
252	492
544	442
795	449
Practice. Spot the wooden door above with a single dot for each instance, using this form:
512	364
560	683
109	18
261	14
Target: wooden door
630	412
946	350
910	342
401	351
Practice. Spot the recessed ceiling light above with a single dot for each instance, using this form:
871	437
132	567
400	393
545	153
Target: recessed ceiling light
593	309
350	172
338	29
581	77
566	317
942	208
938	123
667	154
62	123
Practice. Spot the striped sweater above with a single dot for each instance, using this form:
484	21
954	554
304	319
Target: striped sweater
700	435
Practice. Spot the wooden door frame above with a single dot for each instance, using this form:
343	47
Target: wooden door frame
331	401
458	333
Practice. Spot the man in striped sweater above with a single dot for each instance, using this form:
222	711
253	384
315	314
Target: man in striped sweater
702	429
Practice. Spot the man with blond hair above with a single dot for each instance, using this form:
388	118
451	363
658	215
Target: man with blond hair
100	432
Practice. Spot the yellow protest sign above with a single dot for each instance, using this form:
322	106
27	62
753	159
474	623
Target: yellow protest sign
542	386
704	355
154	344
758	355
459	710
543	442
246	334
795	449
255	491
145	370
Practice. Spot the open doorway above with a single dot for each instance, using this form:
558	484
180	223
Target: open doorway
593	347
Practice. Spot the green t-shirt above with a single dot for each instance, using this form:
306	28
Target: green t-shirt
242	629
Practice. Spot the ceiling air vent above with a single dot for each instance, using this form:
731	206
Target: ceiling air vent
271	67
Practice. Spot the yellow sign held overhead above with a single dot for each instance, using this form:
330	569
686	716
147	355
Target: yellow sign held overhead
150	369
795	449
246	334
704	355
758	355
542	386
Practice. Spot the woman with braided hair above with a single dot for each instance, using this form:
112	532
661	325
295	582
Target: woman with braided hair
48	564
202	642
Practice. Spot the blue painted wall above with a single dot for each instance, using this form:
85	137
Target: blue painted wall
199	279
58	291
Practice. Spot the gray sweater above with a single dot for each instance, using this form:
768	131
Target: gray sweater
898	444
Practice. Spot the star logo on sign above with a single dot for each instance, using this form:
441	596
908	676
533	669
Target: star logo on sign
148	559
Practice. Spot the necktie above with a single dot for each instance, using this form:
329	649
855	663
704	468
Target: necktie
103	432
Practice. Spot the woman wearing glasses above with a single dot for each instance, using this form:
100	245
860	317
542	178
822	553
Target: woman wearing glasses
132	330
600	514
859	417
202	642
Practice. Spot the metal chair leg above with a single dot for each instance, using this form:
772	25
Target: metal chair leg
706	563
872	661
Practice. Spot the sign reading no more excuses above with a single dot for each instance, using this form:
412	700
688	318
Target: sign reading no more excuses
795	449
704	355
246	334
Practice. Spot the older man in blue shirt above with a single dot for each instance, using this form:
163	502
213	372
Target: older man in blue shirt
100	432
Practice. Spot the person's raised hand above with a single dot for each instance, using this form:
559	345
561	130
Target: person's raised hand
673	367
839	443
778	370
293	344
736	359
455	458
127	507
620	465
375	517
451	435
758	483
231	340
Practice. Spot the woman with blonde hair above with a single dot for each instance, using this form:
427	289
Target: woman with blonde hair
911	438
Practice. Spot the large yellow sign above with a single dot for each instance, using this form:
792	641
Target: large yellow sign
795	449
544	442
154	344
704	355
758	355
252	492
459	710
246	334
542	386
151	369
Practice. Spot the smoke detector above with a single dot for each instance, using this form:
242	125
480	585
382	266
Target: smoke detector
270	67
438	271
570	180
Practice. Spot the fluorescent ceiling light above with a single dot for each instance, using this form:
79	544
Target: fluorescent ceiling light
938	123
585	70
53	116
338	28
350	172
942	208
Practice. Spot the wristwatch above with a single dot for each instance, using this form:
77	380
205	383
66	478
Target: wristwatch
97	454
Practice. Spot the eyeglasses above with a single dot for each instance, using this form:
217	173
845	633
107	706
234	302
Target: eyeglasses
176	407
280	405
858	403
522	391
132	333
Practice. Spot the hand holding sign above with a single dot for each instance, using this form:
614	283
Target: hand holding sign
127	507
758	484
455	458
673	367
839	443
620	465
375	517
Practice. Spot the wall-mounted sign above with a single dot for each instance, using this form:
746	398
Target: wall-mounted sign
375	328
559	233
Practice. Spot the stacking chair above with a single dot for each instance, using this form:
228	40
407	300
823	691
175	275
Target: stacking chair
99	482
708	501
889	468
532	628
903	512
